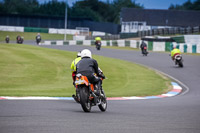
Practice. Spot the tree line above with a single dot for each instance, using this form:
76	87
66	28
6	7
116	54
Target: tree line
95	10
188	5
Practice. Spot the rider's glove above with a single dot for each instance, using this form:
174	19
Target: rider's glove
102	75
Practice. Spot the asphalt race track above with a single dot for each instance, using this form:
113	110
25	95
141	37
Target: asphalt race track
178	114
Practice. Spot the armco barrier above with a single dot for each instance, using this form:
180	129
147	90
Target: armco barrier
194	48
167	46
32	29
127	43
133	43
12	28
198	48
185	48
154	46
120	43
158	46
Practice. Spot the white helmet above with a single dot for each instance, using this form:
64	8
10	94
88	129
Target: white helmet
86	53
79	54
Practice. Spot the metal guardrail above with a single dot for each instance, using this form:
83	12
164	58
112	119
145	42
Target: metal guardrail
107	37
170	31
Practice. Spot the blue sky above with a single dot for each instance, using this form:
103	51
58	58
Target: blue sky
160	4
148	4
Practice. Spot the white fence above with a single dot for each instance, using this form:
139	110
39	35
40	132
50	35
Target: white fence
12	28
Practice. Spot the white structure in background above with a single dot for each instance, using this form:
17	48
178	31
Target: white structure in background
133	27
11	28
192	39
63	31
85	31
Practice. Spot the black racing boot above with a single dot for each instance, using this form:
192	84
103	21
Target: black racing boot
75	98
99	87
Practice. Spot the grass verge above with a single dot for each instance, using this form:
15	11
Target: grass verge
31	36
34	71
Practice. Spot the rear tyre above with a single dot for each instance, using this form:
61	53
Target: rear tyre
84	99
98	47
180	64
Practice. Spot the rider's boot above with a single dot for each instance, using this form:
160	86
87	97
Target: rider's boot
75	98
98	88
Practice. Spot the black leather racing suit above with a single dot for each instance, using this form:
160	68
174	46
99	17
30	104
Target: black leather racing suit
142	47
88	67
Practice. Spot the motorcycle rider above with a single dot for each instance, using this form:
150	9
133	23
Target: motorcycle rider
97	40
38	38
18	38
174	52
73	65
7	39
142	46
89	67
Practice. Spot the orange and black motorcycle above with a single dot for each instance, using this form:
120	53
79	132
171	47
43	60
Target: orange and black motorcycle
86	94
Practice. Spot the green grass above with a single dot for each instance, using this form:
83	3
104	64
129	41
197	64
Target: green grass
31	36
34	71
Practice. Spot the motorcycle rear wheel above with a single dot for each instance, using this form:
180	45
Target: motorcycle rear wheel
84	99
180	63
98	47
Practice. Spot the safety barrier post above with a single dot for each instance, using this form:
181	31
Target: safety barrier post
79	42
53	43
127	43
194	48
108	43
138	44
167	46
66	43
185	48
177	46
171	46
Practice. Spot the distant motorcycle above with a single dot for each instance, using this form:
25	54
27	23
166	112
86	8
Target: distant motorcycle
19	40
98	45
144	51
7	39
86	94
38	40
178	60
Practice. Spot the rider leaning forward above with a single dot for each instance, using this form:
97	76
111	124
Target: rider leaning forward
89	67
175	52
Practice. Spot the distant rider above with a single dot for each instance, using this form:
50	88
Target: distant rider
7	39
38	38
18	38
97	40
89	67
175	52
143	46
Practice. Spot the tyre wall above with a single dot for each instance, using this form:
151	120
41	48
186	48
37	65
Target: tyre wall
152	46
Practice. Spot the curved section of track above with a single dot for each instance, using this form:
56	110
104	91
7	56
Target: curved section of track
180	114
